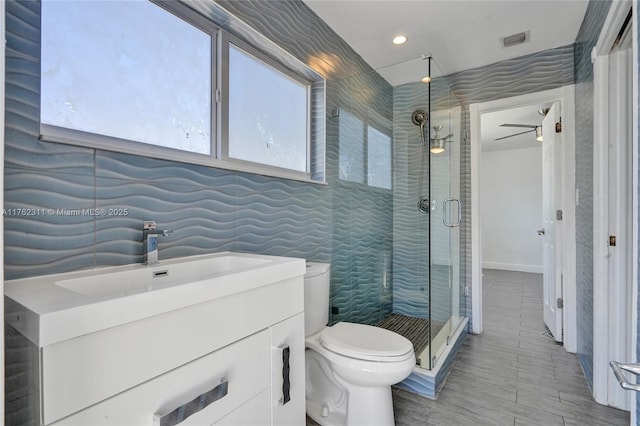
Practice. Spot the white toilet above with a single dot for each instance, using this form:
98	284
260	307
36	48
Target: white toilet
349	367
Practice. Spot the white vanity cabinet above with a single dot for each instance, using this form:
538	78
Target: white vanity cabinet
231	360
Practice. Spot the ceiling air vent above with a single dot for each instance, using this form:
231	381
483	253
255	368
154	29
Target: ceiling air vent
514	39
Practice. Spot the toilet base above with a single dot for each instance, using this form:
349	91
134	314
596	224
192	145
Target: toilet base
360	411
331	418
332	401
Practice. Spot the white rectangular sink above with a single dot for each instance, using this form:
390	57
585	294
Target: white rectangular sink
160	276
53	308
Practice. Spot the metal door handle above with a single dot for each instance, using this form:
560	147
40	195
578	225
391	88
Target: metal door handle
286	371
444	213
631	368
541	231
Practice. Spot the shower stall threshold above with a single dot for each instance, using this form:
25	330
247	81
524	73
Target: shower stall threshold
428	383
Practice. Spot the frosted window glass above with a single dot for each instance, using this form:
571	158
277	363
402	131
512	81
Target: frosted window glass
351	147
379	159
129	70
267	114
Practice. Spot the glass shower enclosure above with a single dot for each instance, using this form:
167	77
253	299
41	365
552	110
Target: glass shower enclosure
428	295
396	244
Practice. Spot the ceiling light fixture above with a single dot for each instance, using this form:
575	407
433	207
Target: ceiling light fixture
539	133
437	143
399	39
427	78
438	147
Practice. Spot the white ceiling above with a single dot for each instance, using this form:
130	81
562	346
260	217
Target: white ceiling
459	34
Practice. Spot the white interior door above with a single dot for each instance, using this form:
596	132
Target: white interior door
552	232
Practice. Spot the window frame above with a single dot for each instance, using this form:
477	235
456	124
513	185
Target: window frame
249	40
223	148
65	135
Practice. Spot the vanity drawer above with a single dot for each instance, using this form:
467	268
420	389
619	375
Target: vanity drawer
86	370
244	366
254	412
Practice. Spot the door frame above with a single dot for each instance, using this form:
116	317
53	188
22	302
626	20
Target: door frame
604	331
566	96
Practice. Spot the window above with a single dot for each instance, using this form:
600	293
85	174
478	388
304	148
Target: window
351	147
378	159
146	83
142	77
356	144
268	114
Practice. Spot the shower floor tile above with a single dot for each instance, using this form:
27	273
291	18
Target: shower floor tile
413	328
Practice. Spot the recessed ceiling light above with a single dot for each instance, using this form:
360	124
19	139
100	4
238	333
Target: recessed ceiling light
400	39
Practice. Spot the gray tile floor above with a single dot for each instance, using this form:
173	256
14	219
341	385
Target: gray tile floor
511	374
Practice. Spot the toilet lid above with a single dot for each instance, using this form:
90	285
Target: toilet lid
365	342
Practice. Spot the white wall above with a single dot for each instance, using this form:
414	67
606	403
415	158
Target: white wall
511	209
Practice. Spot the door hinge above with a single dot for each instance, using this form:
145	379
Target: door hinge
558	215
560	303
559	126
612	240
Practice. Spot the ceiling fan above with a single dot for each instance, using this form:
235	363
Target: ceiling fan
532	127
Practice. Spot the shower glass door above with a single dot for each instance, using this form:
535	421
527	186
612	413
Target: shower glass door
428	302
445	219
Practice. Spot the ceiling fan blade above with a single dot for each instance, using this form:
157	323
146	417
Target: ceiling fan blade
515	134
530	126
444	138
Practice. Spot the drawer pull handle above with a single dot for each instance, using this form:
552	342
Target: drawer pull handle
199	403
286	383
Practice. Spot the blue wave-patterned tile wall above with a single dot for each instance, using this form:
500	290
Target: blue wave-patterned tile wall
361	235
587	37
209	209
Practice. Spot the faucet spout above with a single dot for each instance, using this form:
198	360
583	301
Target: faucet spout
150	241
146	233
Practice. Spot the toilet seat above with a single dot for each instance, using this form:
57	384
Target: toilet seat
366	342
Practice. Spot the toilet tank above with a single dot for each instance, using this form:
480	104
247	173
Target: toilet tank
316	297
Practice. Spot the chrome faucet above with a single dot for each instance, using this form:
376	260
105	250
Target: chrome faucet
150	241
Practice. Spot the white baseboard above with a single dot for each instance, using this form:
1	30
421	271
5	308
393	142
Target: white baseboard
535	269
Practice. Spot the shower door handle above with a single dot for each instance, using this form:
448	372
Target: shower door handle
446	202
